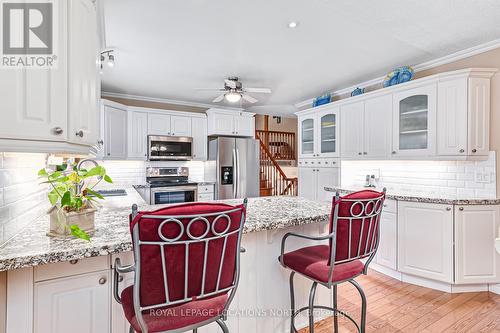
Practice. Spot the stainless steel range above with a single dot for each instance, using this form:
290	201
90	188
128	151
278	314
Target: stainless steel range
168	186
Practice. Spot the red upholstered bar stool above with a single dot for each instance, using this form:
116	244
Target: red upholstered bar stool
187	264
354	235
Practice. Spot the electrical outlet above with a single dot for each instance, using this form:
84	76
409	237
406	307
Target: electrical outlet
483	177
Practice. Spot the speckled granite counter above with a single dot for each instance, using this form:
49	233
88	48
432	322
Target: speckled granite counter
424	199
32	247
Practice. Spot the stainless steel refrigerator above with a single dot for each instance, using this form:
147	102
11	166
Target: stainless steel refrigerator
234	162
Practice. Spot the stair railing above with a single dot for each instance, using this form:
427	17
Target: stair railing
272	176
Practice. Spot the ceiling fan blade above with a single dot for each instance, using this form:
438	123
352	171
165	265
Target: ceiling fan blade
249	98
258	90
210	89
230	83
219	99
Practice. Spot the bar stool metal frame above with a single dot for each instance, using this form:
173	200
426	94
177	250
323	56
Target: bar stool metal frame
136	267
373	216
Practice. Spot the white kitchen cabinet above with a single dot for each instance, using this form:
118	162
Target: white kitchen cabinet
115	131
307	136
414	121
137	134
464	116
352	136
478	118
159	124
180	126
377	128
312	181
84	78
476	228
319	133
244	125
452	117
56	109
200	139
425	240
78	304
368	128
387	248
231	123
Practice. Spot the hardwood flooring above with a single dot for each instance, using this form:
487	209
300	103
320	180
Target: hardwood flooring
394	306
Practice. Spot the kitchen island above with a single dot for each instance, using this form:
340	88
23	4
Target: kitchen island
73	278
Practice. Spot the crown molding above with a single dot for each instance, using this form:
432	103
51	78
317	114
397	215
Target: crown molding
469	52
167	101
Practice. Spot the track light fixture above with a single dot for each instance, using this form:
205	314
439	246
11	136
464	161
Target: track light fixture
107	57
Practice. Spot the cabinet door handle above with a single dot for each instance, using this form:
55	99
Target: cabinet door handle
102	280
359	153
73	262
393	152
79	133
120	278
173	133
101	142
57	130
474	150
461	209
461	151
109	154
365	153
448	208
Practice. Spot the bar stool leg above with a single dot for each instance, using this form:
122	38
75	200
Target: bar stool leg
311	307
292	301
195	330
335	314
222	325
131	329
362	327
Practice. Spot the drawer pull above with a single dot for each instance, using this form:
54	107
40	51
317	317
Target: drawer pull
461	209
120	278
474	150
102	280
448	208
73	262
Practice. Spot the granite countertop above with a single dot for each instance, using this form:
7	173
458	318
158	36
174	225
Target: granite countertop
31	247
420	198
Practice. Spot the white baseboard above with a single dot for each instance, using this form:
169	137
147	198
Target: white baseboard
423	282
468	288
386	271
494	288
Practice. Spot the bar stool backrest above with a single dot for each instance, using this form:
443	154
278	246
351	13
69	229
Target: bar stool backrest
356	220
185	252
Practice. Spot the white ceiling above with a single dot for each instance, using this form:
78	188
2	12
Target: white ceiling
166	49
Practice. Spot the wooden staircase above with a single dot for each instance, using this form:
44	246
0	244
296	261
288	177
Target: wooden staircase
276	146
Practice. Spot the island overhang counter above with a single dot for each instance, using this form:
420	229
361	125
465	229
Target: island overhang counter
46	275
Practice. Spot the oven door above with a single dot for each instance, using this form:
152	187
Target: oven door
162	148
173	195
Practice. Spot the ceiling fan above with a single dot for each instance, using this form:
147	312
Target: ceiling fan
233	91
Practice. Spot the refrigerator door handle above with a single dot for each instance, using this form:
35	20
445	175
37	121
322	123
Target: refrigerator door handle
238	173
235	177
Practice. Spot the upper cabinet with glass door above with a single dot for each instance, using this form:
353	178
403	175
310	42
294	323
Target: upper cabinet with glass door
307	136
319	133
328	137
414	120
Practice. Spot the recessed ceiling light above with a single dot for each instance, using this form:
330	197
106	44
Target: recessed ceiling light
293	24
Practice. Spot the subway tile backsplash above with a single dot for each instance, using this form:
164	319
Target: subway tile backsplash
22	198
127	173
460	179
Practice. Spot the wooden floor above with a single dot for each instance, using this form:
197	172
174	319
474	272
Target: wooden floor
394	306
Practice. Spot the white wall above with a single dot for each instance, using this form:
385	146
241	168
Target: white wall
433	178
22	198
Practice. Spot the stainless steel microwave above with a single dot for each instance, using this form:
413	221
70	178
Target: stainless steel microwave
173	148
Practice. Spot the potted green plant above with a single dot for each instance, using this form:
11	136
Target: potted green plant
71	196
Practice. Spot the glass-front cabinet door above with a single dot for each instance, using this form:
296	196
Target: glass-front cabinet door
415	121
307	136
328	133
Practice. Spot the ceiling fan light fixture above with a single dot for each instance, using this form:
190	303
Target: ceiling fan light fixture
233	97
293	24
